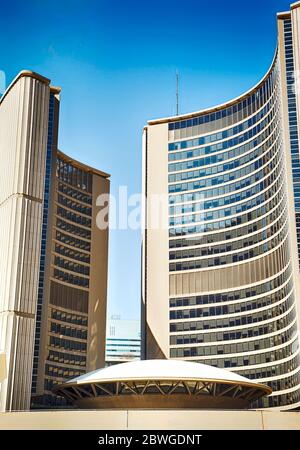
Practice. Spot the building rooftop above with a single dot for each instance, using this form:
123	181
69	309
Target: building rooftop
30	74
82	166
159	369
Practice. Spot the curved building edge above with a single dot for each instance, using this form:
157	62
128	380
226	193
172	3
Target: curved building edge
220	106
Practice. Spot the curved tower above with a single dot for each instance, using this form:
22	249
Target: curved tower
221	280
71	310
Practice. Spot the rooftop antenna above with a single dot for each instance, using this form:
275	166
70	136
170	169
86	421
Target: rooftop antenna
177	93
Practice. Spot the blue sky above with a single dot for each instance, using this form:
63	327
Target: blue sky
116	63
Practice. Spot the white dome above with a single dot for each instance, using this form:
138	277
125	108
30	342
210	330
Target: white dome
159	369
161	384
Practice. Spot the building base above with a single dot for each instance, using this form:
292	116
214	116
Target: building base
150	420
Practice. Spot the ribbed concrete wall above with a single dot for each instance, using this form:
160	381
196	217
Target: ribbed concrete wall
23	135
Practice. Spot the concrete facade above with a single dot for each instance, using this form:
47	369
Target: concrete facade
74	282
23	137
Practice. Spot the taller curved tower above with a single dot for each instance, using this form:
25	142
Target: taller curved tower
221	280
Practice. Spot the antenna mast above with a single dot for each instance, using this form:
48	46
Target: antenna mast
177	93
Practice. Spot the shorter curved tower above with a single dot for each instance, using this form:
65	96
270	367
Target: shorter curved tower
73	279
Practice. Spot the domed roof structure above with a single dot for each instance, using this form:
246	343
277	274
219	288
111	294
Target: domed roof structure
161	384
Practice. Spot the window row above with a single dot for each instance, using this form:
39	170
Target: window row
186	314
67	344
270	130
75	319
259	161
292	114
62	372
225	135
69	215
68	331
251	360
231	277
207	227
237	233
71	253
45	207
72	266
78	207
261	344
237	295
275	401
74	176
256	146
226	117
229	247
226	212
74	193
285	383
73	229
232	258
202	338
221	179
71	279
198	203
66	358
271	371
72	241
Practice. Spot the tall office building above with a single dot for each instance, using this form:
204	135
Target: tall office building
221	280
123	340
53	258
